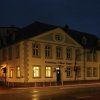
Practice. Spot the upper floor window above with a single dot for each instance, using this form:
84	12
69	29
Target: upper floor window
89	56
69	53
59	52
10	53
95	56
48	51
36	49
17	49
4	54
78	54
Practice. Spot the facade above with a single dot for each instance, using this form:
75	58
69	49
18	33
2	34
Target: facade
49	55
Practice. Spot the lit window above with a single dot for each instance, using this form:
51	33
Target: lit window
36	49
11	73
69	53
36	71
48	51
58	52
48	71
18	71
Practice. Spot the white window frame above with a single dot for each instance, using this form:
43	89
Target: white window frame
36	71
48	73
36	49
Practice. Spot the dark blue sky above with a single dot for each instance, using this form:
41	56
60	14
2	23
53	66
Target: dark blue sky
82	15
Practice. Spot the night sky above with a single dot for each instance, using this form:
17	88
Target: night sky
81	15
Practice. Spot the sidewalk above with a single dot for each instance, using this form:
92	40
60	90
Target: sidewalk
62	84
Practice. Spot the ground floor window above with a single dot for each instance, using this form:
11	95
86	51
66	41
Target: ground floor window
18	71
11	73
36	71
91	72
68	71
94	72
48	71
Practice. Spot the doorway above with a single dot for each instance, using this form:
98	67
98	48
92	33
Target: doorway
58	74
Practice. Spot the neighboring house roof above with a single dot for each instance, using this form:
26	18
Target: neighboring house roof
31	30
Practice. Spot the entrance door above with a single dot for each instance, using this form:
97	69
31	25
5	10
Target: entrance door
58	74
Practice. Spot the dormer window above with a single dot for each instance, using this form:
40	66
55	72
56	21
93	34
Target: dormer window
84	40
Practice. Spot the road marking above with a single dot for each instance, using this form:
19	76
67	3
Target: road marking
84	97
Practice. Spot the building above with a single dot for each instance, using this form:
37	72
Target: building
43	54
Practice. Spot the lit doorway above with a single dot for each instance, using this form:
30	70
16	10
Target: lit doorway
58	74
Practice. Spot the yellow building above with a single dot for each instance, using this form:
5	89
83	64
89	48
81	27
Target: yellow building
43	54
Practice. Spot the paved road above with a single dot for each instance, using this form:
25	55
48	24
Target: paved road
52	93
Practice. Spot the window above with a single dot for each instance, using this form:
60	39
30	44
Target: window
11	73
89	72
18	71
4	54
68	71
58	37
69	53
36	71
78	54
95	56
17	49
48	72
58	52
89	56
48	51
94	72
9	53
36	49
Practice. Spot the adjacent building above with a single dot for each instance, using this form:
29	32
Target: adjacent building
43	54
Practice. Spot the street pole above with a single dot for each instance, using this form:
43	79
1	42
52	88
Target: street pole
84	64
